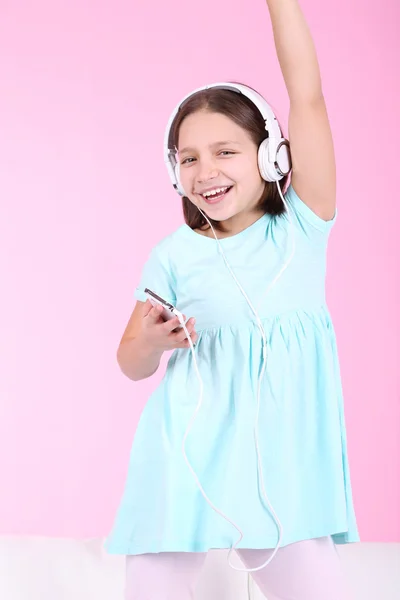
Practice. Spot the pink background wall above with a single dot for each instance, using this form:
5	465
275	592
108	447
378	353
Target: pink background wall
85	92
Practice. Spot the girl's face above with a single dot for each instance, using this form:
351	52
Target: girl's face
216	153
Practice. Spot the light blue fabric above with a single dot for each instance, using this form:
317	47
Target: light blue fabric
301	429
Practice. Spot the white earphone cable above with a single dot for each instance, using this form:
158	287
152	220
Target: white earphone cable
264	356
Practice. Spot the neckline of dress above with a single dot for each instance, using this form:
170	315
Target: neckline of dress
226	240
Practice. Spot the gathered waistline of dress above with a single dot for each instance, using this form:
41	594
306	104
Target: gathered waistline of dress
309	310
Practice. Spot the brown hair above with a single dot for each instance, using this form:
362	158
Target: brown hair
244	113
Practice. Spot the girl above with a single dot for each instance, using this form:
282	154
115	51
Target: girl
287	491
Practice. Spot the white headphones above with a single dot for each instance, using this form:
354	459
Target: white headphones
274	160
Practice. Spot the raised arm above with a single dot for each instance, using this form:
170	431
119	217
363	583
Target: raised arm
314	169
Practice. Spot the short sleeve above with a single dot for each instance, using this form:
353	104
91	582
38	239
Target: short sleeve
308	220
157	276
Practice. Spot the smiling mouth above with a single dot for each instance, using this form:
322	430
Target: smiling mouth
216	196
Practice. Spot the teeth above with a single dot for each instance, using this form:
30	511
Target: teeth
216	191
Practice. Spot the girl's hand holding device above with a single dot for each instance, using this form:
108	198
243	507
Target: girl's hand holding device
162	327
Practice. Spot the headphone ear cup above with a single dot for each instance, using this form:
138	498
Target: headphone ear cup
179	187
267	169
281	165
283	157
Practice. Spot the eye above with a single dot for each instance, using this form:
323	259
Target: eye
186	161
227	152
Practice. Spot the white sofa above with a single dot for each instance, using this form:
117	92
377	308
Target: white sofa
34	568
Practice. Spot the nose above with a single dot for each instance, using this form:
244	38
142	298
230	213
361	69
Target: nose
206	170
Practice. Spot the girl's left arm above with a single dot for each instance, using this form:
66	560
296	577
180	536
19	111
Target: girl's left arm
311	144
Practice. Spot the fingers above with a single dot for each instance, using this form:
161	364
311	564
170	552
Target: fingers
186	343
180	335
179	339
168	334
194	337
172	324
153	313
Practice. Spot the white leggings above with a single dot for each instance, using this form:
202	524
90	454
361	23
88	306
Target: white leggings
308	570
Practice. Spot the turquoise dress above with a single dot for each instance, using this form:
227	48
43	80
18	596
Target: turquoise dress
302	432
